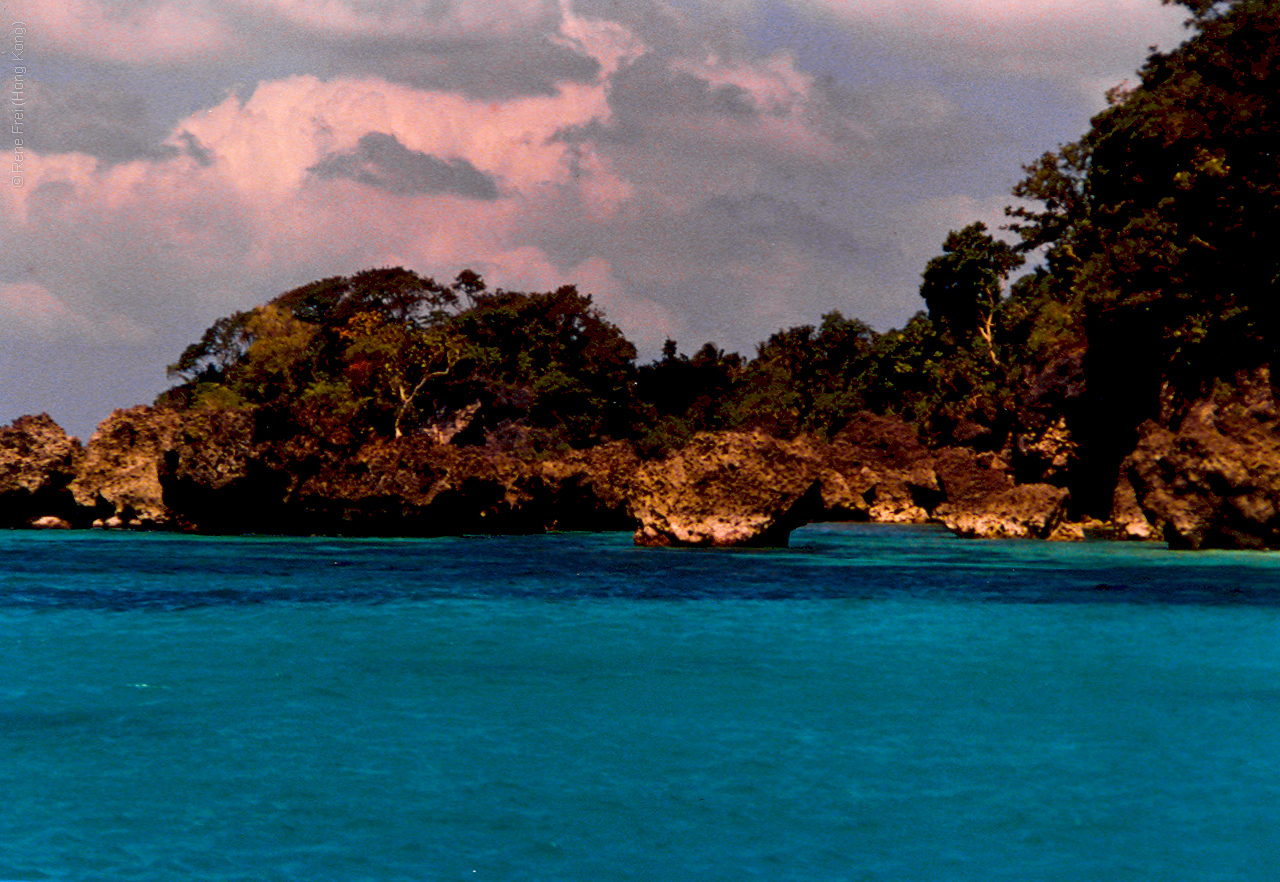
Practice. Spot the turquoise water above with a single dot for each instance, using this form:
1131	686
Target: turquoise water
874	703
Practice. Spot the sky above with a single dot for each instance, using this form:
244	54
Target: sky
707	171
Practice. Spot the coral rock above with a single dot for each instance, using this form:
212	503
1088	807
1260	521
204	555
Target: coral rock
725	489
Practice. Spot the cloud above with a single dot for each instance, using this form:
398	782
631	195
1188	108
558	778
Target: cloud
700	181
684	179
130	33
300	178
105	122
29	310
1080	43
381	161
482	67
409	17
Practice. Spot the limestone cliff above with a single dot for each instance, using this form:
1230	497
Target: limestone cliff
37	464
1210	480
876	469
1213	480
727	488
118	482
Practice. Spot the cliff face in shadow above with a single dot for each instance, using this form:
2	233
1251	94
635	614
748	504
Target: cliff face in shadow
1210	480
225	472
221	472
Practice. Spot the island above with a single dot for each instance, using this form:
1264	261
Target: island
1122	387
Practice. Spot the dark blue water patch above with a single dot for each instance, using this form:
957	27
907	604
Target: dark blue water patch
855	562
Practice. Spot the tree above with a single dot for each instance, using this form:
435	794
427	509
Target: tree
804	378
396	294
222	346
962	287
396	362
1159	224
574	364
387	349
1184	192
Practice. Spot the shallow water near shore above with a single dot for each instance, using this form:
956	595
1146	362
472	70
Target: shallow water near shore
874	703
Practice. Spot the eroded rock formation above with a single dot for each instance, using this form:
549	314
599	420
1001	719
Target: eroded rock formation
118	482
727	488
876	469
210	471
1214	481
38	461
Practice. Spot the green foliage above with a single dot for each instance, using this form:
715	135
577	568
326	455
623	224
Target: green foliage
963	285
220	348
1158	224
1056	181
807	379
1172	198
1152	231
576	365
678	395
385	351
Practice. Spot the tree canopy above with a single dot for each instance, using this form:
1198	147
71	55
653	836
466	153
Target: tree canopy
1150	239
964	285
390	351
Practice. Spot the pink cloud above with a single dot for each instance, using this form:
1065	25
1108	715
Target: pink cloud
245	215
611	44
148	33
775	84
29	310
257	207
266	144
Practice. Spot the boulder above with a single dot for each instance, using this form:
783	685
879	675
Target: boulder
1128	520
38	461
1214	480
982	500
727	488
1025	511
119	476
877	469
50	522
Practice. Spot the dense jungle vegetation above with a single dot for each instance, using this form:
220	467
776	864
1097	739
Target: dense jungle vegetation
1154	278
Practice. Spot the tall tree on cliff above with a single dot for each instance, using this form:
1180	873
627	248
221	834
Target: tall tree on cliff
963	286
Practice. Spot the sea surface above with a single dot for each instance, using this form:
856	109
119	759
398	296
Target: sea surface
874	703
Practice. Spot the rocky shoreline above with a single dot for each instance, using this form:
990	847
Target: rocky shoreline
1213	481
